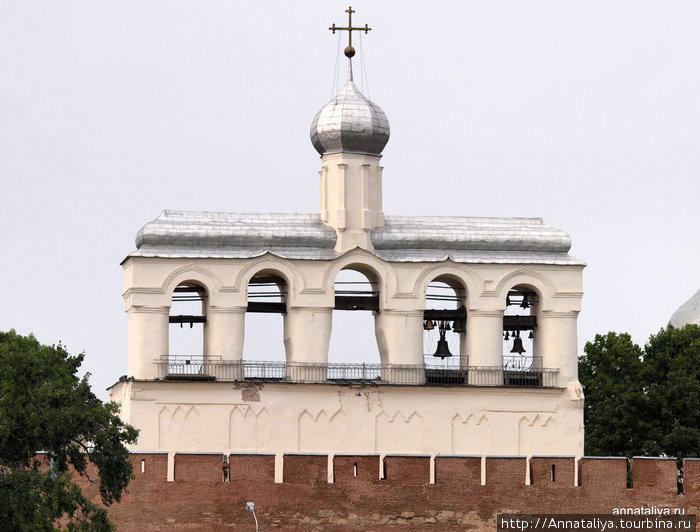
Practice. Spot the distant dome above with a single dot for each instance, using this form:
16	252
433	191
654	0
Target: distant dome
688	312
350	123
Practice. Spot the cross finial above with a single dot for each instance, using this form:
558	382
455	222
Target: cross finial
349	50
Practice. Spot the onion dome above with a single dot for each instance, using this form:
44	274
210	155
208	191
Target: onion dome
688	312
350	122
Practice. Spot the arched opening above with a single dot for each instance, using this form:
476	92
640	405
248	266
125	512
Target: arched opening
444	331
186	335
522	365
353	339
264	328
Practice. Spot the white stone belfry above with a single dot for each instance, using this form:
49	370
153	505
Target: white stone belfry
509	386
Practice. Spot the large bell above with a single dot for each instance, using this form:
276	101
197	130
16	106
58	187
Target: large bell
518	346
525	303
442	350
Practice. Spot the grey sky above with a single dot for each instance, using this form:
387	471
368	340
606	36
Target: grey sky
584	113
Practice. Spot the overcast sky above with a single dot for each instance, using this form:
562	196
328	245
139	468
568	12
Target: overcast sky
584	113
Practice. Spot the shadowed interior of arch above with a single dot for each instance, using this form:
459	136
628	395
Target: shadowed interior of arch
446	298
187	319
520	330
353	333
264	325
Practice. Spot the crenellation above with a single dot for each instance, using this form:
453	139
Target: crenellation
606	475
506	471
456	501
404	470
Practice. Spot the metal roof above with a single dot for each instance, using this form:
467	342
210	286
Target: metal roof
182	234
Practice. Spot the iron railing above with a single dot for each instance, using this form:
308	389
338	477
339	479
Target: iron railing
521	372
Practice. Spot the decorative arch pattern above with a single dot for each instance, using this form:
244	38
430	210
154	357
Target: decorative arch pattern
179	430
471	435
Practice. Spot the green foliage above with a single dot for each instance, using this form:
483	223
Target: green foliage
643	402
44	406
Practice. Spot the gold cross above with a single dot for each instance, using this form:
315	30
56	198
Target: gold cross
349	50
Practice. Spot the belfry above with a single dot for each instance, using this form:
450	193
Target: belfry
496	299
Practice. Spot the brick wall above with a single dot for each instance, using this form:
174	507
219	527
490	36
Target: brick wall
199	499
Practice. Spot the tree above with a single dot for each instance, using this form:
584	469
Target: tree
643	402
671	375
45	406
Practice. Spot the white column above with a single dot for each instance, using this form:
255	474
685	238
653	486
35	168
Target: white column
557	343
224	336
307	335
225	333
148	340
485	346
400	339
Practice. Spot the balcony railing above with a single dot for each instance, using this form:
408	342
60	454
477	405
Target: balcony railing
518	372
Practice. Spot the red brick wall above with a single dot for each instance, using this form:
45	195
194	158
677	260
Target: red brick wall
543	468
604	474
356	469
691	477
252	467
305	469
506	471
407	470
198	467
457	500
459	471
655	474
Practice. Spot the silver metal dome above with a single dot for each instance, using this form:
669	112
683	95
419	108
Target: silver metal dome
688	312
350	123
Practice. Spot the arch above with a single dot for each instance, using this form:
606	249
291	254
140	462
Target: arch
364	263
191	273
534	280
270	264
468	278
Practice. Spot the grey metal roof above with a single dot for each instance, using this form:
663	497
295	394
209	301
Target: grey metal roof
232	230
453	233
350	122
181	234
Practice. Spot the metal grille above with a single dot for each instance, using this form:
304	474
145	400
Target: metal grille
528	374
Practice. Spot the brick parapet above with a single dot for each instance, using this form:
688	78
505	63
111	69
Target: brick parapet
457	500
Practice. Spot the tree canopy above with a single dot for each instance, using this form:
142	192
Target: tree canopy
643	402
52	428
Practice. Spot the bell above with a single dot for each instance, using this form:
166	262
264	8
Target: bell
518	346
525	303
531	335
459	326
442	350
429	325
506	336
